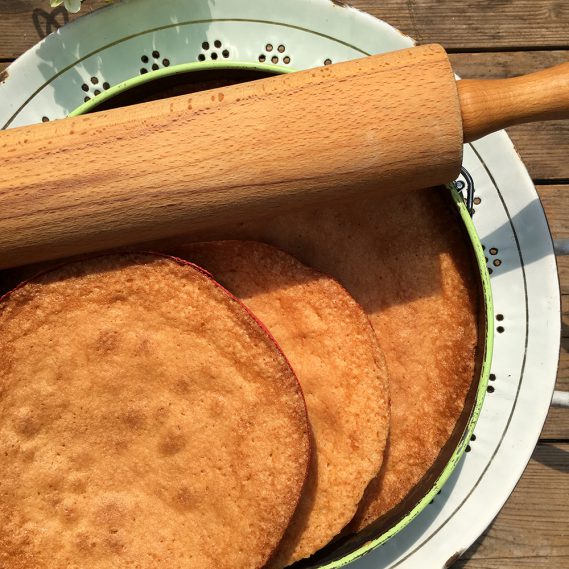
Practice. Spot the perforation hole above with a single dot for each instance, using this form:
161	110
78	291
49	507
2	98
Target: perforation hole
490	389
44	119
477	201
93	87
473	437
493	251
499	317
328	61
274	58
207	51
500	329
467	449
497	262
154	57
492	377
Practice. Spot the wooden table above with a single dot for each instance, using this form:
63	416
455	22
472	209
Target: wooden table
486	39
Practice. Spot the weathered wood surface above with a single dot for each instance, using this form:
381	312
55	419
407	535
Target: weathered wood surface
457	24
531	530
472	24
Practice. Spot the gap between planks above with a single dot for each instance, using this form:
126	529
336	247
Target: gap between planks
457	24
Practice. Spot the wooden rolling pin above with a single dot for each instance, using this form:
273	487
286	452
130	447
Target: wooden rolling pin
159	169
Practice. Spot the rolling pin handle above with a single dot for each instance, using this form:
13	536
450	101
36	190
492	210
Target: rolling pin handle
493	104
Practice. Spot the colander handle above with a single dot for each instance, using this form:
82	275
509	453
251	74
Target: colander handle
488	105
560	399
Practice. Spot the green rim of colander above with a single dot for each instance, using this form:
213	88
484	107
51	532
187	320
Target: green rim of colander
115	90
480	261
488	313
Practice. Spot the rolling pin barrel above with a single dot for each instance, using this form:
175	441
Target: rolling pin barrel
167	167
194	162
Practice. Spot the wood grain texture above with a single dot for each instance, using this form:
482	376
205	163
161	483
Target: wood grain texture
490	105
228	155
557	424
563	269
543	148
555	201
471	24
501	64
454	23
546	562
532	526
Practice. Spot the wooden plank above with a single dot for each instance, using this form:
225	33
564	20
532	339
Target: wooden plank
555	201
544	148
546	562
496	65
531	529
460	24
3	66
25	22
563	268
564	313
557	422
456	24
